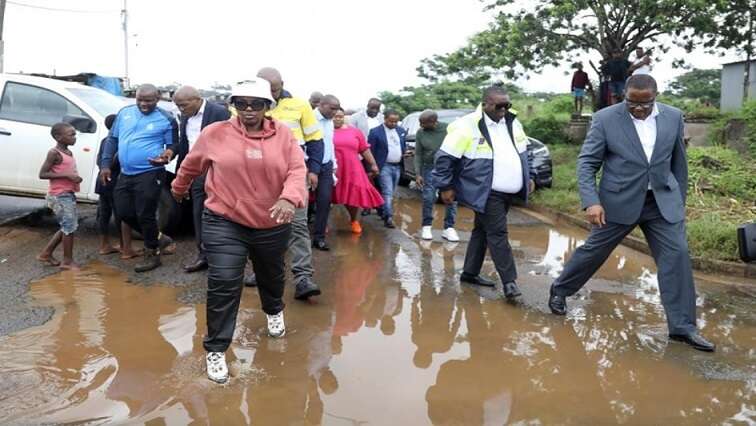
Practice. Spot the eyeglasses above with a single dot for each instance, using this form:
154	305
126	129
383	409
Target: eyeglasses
503	105
644	105
255	104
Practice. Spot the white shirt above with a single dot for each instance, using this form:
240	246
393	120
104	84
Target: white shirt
646	130
194	125
394	146
507	168
643	69
372	122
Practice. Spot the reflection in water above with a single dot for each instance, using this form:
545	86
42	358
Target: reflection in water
394	339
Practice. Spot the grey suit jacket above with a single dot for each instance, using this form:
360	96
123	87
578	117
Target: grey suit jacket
613	145
360	121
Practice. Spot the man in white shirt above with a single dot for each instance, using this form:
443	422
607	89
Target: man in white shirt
196	114
642	63
387	143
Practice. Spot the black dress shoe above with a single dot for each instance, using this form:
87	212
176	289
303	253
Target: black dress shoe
321	245
511	290
389	223
557	304
198	265
306	288
477	280
696	340
250	280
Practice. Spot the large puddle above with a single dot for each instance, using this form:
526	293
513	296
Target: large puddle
394	340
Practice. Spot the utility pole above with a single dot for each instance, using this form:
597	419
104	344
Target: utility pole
125	25
2	43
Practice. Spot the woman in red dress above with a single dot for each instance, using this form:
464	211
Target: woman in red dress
353	189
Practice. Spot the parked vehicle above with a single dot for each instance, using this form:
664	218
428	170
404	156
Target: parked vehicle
29	106
540	152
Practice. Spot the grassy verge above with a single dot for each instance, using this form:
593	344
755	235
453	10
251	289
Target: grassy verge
721	196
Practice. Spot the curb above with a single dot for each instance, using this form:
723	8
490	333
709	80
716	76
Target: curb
745	270
12	220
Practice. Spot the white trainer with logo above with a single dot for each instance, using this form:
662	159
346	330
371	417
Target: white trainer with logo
427	233
217	370
450	235
276	327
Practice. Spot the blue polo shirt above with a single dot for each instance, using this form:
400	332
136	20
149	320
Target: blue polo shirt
137	137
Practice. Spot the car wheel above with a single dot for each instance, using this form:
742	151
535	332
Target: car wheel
168	213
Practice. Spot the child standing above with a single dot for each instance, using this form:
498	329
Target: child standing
60	168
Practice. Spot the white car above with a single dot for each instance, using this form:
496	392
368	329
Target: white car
29	106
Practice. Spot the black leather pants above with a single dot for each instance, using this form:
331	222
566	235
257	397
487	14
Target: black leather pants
227	246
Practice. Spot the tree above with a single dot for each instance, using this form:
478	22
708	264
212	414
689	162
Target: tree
732	27
554	31
698	84
438	95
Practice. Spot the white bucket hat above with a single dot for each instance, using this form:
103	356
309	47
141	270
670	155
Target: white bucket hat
255	88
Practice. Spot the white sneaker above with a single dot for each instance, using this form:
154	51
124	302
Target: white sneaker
276	327
450	235
427	233
217	370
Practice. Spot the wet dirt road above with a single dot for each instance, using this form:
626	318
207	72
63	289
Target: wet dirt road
395	339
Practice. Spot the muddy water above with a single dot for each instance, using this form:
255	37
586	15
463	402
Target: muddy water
394	339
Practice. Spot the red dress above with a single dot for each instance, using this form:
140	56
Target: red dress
353	187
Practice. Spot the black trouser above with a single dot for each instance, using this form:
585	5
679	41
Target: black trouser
227	246
105	209
136	201
198	205
669	247
491	231
323	201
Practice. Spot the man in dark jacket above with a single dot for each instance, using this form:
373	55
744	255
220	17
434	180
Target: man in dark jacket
196	114
483	163
388	145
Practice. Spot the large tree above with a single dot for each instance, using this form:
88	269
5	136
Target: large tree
698	84
551	32
439	95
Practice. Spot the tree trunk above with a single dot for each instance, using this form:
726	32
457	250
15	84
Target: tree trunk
749	52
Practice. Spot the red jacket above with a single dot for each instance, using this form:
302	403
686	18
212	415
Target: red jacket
246	173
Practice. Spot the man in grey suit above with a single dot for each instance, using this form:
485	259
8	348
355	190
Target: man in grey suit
639	144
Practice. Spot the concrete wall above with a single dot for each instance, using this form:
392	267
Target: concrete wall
732	86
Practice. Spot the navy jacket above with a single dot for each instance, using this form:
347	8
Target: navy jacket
379	143
213	113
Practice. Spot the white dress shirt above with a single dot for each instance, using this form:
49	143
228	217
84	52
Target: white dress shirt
646	130
507	168
394	146
194	125
372	122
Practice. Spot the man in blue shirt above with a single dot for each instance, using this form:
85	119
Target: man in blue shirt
146	138
325	111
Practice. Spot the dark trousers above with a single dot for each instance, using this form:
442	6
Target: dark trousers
198	206
490	231
228	245
105	209
136	201
669	248
323	201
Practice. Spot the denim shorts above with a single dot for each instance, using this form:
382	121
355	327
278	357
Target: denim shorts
64	207
578	93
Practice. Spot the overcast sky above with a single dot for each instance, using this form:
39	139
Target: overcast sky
350	48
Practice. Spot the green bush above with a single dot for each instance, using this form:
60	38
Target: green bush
712	237
562	104
547	129
722	171
748	114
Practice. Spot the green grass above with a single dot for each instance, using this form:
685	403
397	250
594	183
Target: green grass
721	196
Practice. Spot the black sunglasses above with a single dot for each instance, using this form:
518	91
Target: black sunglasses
255	104
503	105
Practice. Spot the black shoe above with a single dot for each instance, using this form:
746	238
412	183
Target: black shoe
199	264
306	289
164	241
557	303
320	245
150	262
250	280
389	223
366	212
696	340
511	291
477	280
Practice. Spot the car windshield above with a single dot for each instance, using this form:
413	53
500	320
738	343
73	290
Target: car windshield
101	101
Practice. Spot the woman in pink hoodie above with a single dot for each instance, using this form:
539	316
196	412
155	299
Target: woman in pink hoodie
255	169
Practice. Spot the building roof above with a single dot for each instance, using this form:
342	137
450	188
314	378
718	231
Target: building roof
753	61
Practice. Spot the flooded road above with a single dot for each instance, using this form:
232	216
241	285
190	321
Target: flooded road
395	339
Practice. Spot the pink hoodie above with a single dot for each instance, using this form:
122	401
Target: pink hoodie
246	173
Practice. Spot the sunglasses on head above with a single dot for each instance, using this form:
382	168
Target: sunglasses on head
255	104
503	105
